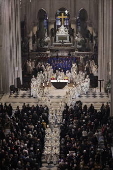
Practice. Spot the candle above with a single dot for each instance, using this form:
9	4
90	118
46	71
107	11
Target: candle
43	84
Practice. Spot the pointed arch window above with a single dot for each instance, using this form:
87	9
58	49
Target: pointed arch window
62	18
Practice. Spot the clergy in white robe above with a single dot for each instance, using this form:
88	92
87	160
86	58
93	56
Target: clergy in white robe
45	76
59	77
55	159
86	84
95	70
29	67
34	89
62	75
68	74
33	79
41	76
74	77
74	67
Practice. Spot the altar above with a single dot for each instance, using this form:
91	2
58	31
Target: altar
59	84
62	34
62	38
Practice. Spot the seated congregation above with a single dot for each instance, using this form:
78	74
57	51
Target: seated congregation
22	134
86	138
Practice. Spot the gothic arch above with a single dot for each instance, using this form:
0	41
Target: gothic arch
58	8
82	13
62	17
42	28
63	8
41	13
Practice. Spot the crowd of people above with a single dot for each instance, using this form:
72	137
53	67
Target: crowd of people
22	134
86	138
64	63
52	137
56	64
51	149
80	80
76	73
82	87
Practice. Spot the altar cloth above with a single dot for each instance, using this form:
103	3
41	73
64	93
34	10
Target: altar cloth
59	84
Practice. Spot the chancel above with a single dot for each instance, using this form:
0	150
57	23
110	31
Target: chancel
56	84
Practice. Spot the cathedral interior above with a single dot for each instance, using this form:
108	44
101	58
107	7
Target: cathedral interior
56	79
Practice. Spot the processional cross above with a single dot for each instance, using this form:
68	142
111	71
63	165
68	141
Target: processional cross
62	17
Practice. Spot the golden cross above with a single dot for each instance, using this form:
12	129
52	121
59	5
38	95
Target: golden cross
62	17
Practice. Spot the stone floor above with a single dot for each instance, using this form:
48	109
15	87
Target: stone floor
55	95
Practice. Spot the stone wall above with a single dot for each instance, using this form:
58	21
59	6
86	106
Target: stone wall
30	9
0	50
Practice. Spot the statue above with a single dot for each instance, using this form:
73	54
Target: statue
62	31
80	42
47	39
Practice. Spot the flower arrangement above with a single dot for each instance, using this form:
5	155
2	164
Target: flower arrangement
52	78
65	78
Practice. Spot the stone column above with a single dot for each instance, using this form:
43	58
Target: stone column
104	39
1	78
18	37
100	40
30	41
111	46
5	46
11	43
